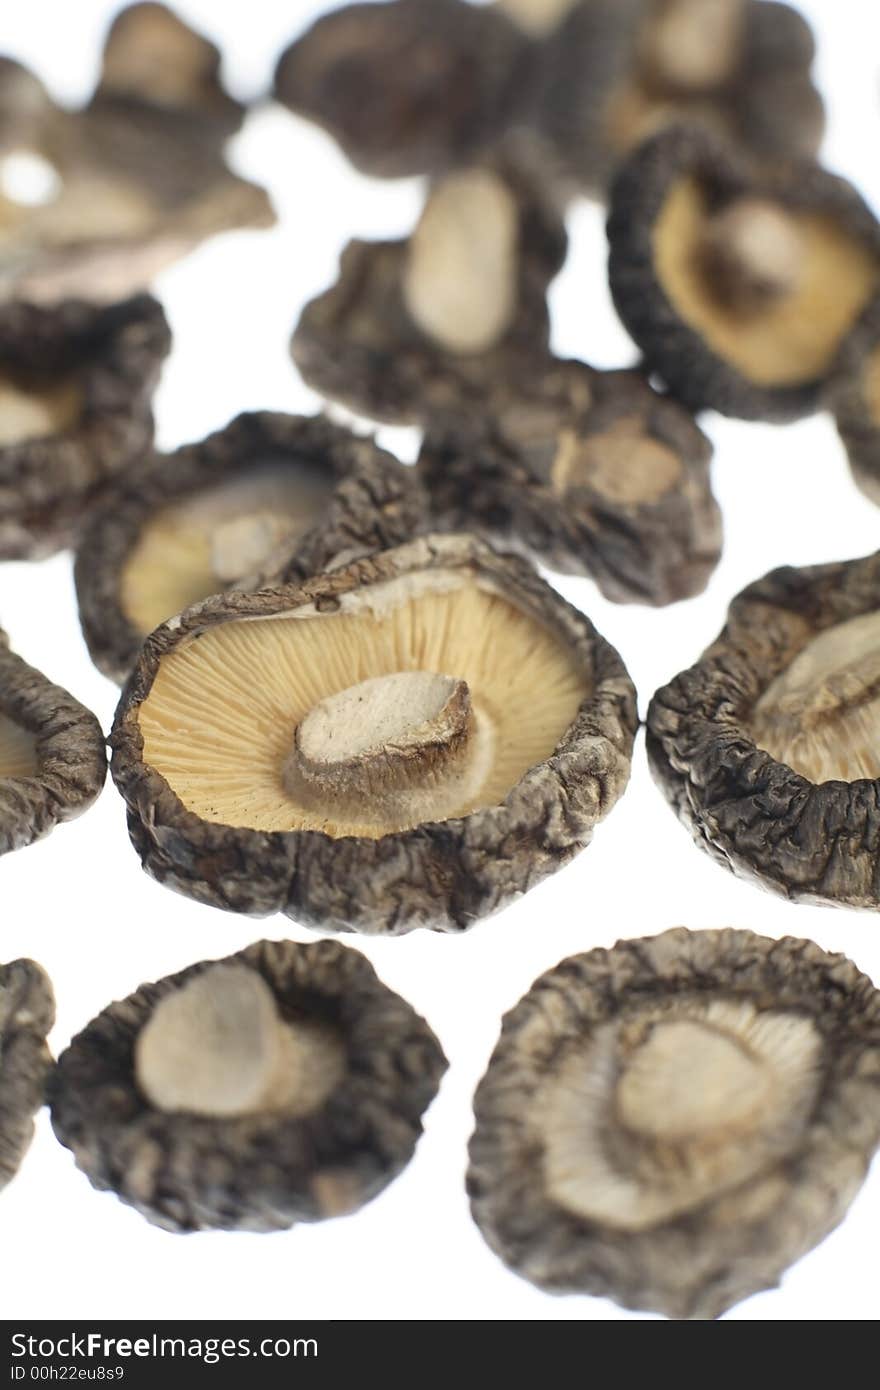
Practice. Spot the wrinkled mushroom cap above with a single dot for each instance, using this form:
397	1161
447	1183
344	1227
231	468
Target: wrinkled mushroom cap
27	1012
284	1084
673	1122
414	711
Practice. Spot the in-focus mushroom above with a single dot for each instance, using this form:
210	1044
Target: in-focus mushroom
407	87
76	387
739	289
52	757
123	210
674	1122
854	397
269	495
589	472
27	1012
411	740
423	328
767	747
283	1084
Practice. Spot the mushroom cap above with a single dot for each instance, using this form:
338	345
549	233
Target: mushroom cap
96	368
407	87
559	754
266	1170
765	362
27	1012
358	344
599	1165
356	498
54	750
590	473
854	398
808	840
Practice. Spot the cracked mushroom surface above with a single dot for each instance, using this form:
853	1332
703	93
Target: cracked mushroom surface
409	741
52	756
740	290
76	387
27	1012
407	87
767	747
274	495
673	1122
590	473
854	398
122	210
286	1083
425	327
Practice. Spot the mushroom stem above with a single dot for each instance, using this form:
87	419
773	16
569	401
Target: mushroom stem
753	254
693	45
242	545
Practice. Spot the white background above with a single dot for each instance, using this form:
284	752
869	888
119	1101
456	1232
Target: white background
80	904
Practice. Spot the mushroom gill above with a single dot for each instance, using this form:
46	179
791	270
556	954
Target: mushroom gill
33	411
18	750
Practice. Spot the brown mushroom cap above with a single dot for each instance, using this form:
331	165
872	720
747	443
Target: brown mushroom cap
76	387
854	397
308	1079
589	472
52	757
281	496
673	1122
230	802
27	1012
739	290
766	747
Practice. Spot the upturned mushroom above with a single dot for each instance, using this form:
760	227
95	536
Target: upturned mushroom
854	398
52	757
283	1084
672	1123
739	288
417	329
410	740
27	1012
76	387
590	473
766	748
269	495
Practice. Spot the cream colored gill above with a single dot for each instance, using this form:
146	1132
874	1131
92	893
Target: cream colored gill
36	412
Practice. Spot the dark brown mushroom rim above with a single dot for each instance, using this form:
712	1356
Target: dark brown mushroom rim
739	288
52	756
767	747
27	1012
854	397
672	1123
269	494
410	741
589	472
410	87
76	387
359	344
319	1142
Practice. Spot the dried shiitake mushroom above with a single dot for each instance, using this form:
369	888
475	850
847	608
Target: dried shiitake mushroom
27	1012
25	106
739	289
768	747
407	87
591	473
411	740
614	72
674	1122
124	209
52	757
420	328
854	397
270	495
76	386
283	1084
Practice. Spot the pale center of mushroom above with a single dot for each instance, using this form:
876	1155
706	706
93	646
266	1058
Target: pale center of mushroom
218	1047
18	750
821	715
406	747
622	464
753	254
871	385
537	17
460	276
695	44
661	1113
35	413
243	545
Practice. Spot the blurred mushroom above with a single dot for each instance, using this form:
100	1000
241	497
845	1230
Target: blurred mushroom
27	1012
854	397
